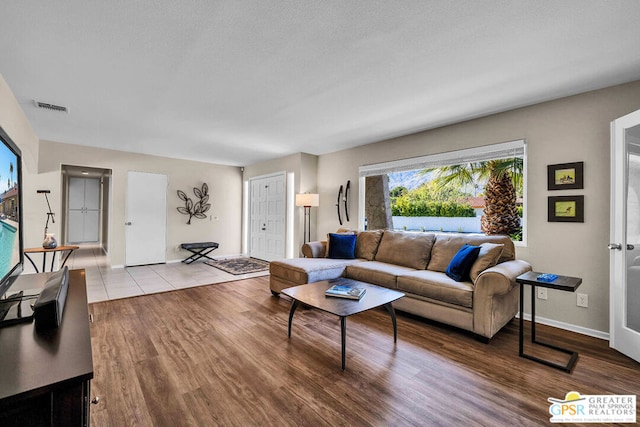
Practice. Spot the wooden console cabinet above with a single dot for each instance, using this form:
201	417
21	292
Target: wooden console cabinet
45	377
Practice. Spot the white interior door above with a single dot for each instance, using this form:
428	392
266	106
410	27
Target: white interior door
624	326
91	210
267	219
84	210
146	219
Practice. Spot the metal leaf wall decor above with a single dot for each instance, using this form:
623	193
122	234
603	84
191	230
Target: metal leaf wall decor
197	209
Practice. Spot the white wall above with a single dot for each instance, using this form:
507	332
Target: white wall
225	188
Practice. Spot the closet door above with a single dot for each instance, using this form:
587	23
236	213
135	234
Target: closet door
91	210
84	210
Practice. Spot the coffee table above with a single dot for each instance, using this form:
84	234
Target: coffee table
313	295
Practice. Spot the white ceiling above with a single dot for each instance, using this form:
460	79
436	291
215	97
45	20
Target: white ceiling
240	81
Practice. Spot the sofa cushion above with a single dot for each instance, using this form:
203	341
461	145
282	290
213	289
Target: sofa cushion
342	246
405	249
460	265
367	244
377	273
488	257
437	286
447	245
309	270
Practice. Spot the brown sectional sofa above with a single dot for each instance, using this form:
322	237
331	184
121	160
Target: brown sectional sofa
415	264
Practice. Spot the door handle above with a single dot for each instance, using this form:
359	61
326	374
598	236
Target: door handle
630	247
128	223
615	246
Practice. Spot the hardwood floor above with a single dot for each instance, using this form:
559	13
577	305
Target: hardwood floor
219	355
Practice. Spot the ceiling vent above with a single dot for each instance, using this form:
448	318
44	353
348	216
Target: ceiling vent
52	107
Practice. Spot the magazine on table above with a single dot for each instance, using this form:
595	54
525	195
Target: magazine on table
344	291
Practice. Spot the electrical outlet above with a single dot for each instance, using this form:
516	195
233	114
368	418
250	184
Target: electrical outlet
542	293
582	300
178	248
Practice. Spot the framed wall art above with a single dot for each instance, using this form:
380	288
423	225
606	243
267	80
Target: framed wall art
566	209
565	176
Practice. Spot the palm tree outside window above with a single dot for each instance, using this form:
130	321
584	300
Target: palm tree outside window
488	181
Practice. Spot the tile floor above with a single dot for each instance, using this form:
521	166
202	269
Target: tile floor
106	283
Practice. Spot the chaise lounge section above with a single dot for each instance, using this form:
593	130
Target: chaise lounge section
416	264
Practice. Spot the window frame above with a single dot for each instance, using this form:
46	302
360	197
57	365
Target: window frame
485	152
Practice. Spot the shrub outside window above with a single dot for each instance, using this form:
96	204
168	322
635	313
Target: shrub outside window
477	190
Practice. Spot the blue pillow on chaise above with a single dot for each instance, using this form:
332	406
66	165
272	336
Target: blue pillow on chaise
342	246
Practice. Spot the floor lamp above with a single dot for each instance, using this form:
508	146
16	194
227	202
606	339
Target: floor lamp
307	200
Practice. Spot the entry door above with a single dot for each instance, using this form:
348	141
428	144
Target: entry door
146	219
625	236
84	210
267	220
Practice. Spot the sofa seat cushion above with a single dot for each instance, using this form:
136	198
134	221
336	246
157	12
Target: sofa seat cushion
376	273
309	270
437	286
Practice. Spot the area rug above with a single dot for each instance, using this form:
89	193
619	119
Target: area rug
240	265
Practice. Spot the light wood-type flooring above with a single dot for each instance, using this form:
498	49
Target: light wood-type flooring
219	355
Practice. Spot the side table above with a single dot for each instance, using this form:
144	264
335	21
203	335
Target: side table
44	252
562	283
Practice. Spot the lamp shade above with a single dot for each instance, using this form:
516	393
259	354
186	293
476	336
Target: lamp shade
307	199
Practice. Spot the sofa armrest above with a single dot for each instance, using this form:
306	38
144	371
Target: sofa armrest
495	296
314	249
501	278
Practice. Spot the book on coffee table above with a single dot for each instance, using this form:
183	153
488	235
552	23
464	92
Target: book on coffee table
342	291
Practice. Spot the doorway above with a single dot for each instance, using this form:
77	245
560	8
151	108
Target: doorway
624	327
267	208
85	205
83	210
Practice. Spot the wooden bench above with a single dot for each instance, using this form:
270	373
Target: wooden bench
199	250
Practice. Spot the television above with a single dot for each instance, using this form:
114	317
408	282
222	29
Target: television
11	236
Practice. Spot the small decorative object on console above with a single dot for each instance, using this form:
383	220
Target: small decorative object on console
547	277
49	241
342	291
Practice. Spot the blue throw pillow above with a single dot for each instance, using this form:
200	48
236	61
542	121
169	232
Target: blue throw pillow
342	246
461	264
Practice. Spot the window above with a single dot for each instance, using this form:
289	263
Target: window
413	194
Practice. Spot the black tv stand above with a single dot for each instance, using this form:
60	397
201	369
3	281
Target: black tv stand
16	307
45	377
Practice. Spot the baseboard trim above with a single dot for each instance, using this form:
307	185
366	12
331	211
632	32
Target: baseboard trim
569	327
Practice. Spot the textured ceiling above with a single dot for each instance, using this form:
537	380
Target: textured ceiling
236	82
